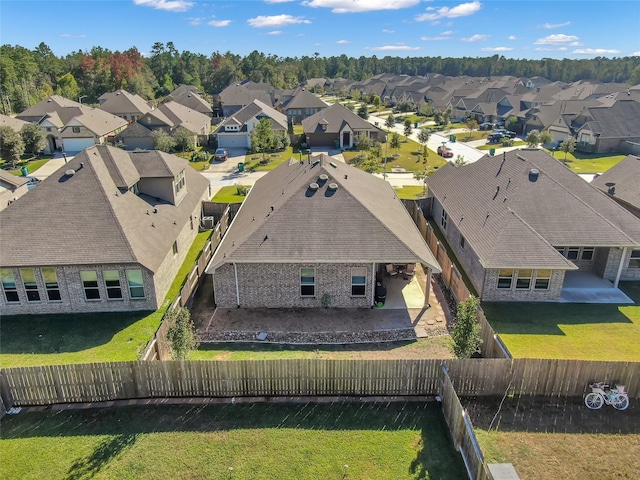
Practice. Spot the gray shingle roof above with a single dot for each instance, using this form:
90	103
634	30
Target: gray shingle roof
360	221
122	102
335	117
256	108
13	180
85	219
305	99
511	221
622	119
14	123
625	177
181	116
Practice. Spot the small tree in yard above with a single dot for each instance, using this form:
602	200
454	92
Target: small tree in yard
163	141
533	138
34	139
567	146
471	125
262	137
395	141
182	333
390	122
459	161
11	145
466	331
363	111
185	139
545	138
407	128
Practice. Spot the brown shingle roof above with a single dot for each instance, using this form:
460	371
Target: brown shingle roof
85	219
362	220
511	221
625	177
123	102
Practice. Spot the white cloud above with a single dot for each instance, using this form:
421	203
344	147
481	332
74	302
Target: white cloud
71	35
434	39
350	6
636	54
169	5
343	42
547	49
195	21
219	23
550	26
388	31
278	1
275	32
475	38
512	37
595	51
275	21
496	49
393	48
462	10
448	32
557	39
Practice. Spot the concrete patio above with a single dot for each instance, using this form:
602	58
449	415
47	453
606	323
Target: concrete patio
587	287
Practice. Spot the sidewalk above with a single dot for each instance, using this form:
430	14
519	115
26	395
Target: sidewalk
51	166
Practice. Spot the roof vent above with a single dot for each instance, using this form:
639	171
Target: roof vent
333	165
323	178
611	188
314	186
70	172
333	186
534	173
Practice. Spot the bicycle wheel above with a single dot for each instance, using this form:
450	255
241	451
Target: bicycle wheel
620	402
594	401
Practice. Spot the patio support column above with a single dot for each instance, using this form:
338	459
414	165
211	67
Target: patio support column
373	284
427	289
235	271
620	265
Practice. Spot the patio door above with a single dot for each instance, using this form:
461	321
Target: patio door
346	139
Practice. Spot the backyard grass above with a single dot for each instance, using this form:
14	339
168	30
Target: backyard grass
258	441
422	348
86	338
229	194
604	332
589	163
407	158
497	146
256	162
32	165
411	192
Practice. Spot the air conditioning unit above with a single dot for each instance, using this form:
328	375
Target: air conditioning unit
208	223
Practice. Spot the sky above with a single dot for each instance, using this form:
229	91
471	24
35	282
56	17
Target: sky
294	28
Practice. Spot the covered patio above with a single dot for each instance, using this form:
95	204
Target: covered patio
582	286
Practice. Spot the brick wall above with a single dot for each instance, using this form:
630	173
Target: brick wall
612	263
491	291
73	296
278	286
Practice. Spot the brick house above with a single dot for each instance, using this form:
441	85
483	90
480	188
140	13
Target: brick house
11	188
313	232
107	232
521	222
235	131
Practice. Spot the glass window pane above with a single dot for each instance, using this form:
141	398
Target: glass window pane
50	277
136	284
8	280
28	276
111	278
89	278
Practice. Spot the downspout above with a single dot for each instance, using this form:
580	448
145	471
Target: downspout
373	283
235	271
624	254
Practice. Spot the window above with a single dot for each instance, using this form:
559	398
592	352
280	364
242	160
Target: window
505	277
136	284
572	253
48	129
634	259
444	219
358	281
523	280
134	189
51	284
180	181
112	282
462	242
30	284
9	285
75	129
90	284
542	280
587	253
307	282
175	247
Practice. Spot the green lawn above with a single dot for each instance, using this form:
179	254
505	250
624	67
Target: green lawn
437	347
589	163
570	331
86	338
258	441
410	192
468	137
201	163
407	157
229	195
517	143
32	165
256	162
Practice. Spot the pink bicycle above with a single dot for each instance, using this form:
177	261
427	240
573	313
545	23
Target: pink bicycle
602	394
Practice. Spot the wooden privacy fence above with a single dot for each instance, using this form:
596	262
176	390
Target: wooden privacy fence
461	429
305	377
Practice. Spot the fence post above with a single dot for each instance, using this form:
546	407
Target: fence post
5	395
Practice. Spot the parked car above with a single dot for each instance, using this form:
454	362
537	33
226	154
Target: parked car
221	155
445	152
505	133
495	137
32	182
487	126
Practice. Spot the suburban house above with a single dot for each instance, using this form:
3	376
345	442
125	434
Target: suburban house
188	96
235	131
302	105
526	228
13	123
606	129
314	233
622	183
337	126
238	95
107	232
167	117
12	188
71	126
126	105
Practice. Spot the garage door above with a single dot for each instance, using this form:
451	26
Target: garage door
77	144
232	141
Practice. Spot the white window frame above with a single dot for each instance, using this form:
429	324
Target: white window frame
525	279
444	219
110	286
52	288
134	287
357	273
90	288
31	287
634	259
542	278
501	277
10	287
305	284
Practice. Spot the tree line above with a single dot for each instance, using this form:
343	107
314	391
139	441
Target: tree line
28	76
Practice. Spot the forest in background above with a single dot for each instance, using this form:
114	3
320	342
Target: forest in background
28	76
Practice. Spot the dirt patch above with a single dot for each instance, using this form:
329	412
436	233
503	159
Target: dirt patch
550	415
